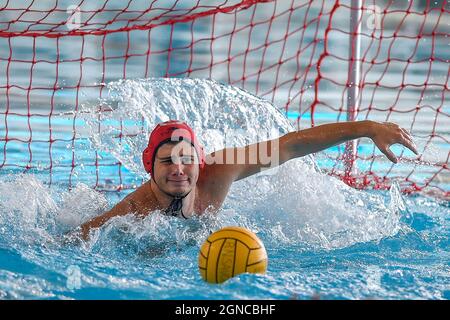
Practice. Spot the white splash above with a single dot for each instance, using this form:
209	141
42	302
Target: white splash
302	205
31	212
221	115
291	203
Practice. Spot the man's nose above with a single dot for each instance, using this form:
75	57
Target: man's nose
178	168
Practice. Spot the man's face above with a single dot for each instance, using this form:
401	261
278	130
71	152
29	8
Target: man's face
176	168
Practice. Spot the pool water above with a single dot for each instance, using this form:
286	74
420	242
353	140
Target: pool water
354	245
323	238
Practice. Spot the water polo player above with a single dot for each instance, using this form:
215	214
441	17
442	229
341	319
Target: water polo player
185	182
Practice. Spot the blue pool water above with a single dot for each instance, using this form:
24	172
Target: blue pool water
389	247
323	238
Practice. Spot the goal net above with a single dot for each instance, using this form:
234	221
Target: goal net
317	61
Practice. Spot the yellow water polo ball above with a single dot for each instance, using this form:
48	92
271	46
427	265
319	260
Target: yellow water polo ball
231	251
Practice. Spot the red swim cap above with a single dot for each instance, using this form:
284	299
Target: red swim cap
172	130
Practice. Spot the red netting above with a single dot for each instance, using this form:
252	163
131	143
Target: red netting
295	53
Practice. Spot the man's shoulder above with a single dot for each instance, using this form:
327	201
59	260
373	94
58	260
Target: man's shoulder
142	198
213	185
209	178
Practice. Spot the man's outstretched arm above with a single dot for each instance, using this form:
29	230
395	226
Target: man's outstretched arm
301	143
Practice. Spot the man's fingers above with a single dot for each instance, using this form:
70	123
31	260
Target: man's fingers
409	143
389	154
405	132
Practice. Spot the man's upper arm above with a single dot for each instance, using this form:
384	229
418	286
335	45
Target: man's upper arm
233	164
124	207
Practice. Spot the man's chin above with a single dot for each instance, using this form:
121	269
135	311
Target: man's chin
179	192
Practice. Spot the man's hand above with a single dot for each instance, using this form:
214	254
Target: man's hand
77	235
73	237
386	134
84	231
